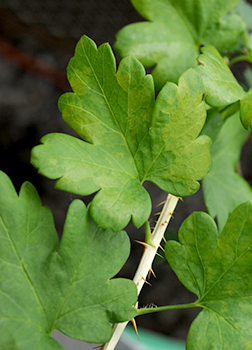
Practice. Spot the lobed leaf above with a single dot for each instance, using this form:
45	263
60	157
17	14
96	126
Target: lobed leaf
175	30
217	268
223	188
46	286
129	137
221	87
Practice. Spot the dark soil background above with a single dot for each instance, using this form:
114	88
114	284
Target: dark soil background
37	39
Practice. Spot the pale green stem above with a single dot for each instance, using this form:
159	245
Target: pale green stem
247	58
146	262
145	311
230	110
245	39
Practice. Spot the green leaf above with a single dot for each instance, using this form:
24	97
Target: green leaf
246	110
130	138
213	124
221	87
250	39
174	32
218	270
247	74
44	286
244	9
223	188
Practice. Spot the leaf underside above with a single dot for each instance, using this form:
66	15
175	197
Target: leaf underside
174	32
129	137
46	286
217	268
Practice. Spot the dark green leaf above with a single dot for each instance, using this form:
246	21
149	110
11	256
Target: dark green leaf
45	287
218	270
174	32
130	138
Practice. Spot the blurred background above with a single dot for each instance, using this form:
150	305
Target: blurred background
37	39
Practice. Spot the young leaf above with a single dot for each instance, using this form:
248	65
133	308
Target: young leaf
223	188
130	138
174	32
221	87
217	269
45	287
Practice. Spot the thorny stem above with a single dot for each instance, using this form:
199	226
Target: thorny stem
146	262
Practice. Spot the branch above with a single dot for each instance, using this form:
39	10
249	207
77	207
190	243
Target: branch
146	262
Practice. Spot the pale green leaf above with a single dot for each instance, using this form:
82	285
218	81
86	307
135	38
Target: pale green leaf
223	188
46	286
174	32
217	268
213	124
130	137
250	40
247	74
246	110
221	87
223	35
244	9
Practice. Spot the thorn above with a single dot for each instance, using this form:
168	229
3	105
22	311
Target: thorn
160	204
147	282
152	272
146	245
98	347
182	200
158	213
164	239
152	228
135	327
172	214
160	255
161	248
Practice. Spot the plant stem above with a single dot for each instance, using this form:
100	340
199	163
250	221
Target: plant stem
247	58
230	110
145	311
146	262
